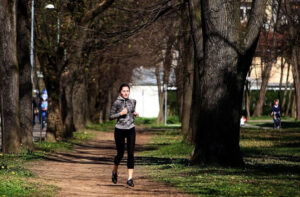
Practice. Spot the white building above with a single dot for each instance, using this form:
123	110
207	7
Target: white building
144	89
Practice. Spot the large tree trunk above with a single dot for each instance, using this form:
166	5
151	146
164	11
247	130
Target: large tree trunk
9	77
227	58
197	36
25	88
294	56
296	69
66	104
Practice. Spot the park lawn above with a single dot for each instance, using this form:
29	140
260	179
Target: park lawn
172	121
272	167
16	180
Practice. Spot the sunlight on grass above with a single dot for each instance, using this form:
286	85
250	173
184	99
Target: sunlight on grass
272	165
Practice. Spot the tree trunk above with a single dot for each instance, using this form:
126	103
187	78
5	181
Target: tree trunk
179	83
227	58
66	104
281	77
287	111
79	100
108	105
55	127
25	87
294	111
283	105
295	52
160	117
10	77
248	98
187	88
263	89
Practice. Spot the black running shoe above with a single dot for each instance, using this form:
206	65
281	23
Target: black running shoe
114	178
130	183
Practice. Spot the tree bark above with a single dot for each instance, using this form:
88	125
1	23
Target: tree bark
227	57
287	111
263	89
25	87
281	78
9	77
286	88
160	117
248	98
66	104
292	30
188	82
295	53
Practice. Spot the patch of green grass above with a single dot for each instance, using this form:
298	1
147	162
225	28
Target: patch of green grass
13	176
78	137
271	156
144	121
270	118
106	126
15	186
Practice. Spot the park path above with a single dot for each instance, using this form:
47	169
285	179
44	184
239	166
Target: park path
86	170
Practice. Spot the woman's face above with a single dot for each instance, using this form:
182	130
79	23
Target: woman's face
125	92
276	102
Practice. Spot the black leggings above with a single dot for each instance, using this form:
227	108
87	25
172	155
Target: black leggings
120	135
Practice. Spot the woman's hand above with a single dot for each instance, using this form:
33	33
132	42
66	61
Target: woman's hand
124	111
136	114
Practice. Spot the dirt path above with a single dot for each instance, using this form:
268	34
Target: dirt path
86	171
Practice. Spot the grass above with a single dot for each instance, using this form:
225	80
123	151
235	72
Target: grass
262	118
14	178
272	165
172	122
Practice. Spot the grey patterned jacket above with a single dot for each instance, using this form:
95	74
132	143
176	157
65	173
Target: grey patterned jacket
125	121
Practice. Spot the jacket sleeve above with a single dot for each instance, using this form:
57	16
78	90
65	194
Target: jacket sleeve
113	112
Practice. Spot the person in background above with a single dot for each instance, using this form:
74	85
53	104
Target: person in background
276	114
243	121
44	108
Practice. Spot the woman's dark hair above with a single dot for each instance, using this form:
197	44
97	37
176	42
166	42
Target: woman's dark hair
123	85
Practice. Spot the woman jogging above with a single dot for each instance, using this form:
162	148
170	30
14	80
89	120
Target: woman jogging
123	110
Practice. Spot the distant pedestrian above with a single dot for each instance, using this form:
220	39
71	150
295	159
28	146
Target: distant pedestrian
44	108
243	121
123	109
276	114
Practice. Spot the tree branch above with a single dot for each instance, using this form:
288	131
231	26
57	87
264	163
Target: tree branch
254	24
101	7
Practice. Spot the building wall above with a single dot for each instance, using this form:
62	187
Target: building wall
147	100
256	71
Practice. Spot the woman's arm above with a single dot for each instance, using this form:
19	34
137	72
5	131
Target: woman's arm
113	112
